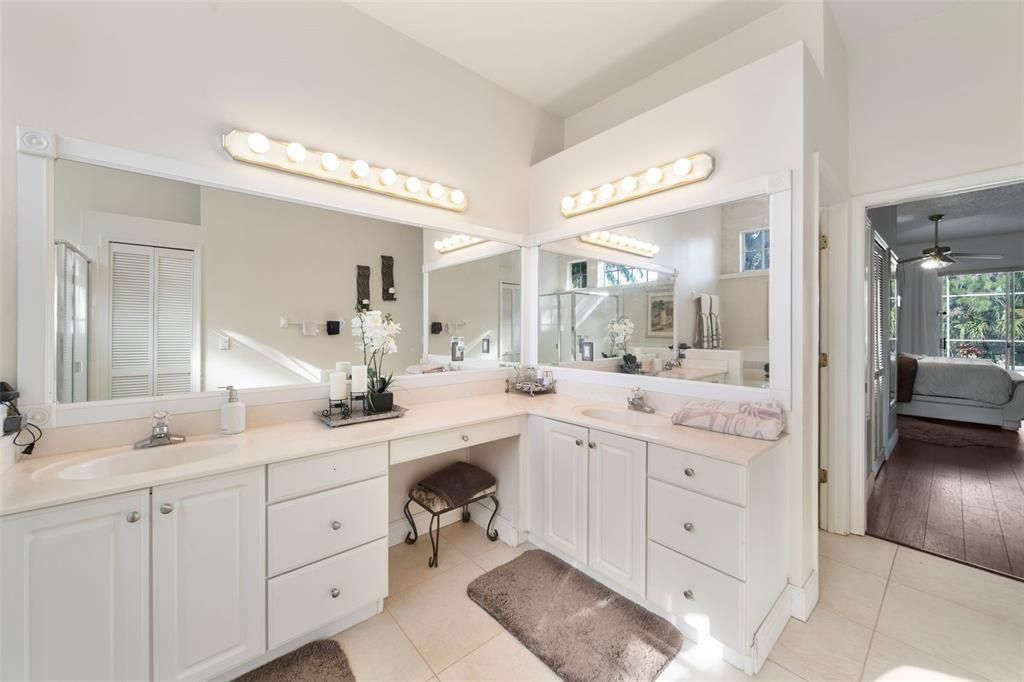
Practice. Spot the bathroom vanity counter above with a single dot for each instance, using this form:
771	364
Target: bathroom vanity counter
34	483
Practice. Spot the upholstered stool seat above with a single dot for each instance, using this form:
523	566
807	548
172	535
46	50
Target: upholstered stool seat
457	485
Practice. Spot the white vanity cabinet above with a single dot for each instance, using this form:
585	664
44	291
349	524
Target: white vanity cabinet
75	595
593	500
209	600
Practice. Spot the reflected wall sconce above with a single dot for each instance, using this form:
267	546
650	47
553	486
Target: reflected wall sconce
456	242
684	171
610	240
293	157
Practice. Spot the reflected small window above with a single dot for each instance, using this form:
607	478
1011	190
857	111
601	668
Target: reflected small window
615	275
755	250
578	274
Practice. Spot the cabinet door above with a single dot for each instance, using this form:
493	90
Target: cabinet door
75	591
209	597
618	471
565	488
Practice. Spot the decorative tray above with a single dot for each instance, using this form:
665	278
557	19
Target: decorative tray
530	388
334	419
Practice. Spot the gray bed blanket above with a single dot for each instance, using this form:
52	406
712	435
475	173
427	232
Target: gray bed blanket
965	378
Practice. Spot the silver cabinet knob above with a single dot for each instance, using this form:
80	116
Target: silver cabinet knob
688	594
166	508
335	593
133	517
579	441
688	471
688	527
592	445
465	438
335	525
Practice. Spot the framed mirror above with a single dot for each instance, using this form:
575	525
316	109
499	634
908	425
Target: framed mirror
684	297
164	287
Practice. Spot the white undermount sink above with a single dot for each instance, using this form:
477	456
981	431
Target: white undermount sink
624	417
131	461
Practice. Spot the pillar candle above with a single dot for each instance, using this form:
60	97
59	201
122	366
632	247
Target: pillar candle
339	386
359	379
345	367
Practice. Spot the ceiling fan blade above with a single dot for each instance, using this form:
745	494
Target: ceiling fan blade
982	256
911	260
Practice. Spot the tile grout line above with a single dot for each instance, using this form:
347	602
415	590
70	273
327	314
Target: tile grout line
878	616
468	653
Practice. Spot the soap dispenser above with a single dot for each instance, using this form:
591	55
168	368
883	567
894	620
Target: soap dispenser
232	413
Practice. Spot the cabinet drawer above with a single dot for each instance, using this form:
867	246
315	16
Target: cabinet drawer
290	479
697	596
312	596
414	447
309	528
705	475
708	530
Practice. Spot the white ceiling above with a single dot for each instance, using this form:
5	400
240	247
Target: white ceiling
999	210
565	56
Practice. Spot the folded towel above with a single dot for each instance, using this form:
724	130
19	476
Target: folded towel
761	419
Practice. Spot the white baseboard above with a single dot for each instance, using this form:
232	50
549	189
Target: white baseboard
804	599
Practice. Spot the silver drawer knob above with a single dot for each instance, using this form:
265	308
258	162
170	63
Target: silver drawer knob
335	593
166	508
579	441
133	517
688	594
688	471
465	438
335	525
688	527
592	445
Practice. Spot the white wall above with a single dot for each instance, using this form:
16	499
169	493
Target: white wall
169	78
940	98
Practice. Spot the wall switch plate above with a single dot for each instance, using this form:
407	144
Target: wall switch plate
223	342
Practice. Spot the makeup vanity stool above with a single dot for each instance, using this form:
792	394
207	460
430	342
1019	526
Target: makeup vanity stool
457	485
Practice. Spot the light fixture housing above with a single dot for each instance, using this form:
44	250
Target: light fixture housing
616	242
292	157
455	242
655	179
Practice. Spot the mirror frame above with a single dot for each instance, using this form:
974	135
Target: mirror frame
778	188
37	152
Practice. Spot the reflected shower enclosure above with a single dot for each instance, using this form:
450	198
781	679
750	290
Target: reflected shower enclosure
569	318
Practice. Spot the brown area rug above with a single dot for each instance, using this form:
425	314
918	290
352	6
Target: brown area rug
954	435
319	661
577	626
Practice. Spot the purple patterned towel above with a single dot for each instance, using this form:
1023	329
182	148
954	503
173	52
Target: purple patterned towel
762	419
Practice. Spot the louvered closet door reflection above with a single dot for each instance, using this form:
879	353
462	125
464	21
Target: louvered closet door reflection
175	316
131	320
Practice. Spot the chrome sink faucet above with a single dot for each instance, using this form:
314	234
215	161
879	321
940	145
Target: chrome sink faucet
161	433
636	401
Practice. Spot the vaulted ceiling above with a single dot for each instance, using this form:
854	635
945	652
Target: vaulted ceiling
998	210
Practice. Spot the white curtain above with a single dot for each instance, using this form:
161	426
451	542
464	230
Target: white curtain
920	293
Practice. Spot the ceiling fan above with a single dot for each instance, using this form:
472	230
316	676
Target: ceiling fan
938	257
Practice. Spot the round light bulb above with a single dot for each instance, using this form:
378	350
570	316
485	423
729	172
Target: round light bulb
586	197
605	235
607	190
458	197
258	143
653	176
296	152
438	245
360	168
568	203
330	161
594	235
628	184
465	238
413	184
436	190
682	167
655	249
388	177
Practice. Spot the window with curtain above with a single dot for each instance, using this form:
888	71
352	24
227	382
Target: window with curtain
983	317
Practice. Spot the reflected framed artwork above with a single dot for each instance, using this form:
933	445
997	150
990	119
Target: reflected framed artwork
660	305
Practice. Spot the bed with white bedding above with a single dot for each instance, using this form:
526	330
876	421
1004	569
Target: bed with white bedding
961	389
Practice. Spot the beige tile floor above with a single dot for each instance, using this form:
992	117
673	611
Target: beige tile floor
885	613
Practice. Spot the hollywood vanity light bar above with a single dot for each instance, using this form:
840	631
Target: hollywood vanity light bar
292	157
684	171
456	242
610	240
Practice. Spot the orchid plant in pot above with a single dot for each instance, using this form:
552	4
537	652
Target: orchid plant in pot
375	332
620	331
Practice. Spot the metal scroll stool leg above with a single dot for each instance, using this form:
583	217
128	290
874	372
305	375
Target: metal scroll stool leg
411	537
465	513
435	539
492	535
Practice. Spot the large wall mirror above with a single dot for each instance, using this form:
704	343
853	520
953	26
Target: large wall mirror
165	287
680	297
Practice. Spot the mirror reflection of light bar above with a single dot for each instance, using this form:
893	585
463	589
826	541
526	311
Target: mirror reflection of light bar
684	171
292	157
456	242
610	240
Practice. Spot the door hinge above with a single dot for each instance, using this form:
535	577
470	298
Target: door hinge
822	475
822	359
822	241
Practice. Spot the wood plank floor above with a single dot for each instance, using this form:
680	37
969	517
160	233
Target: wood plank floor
963	503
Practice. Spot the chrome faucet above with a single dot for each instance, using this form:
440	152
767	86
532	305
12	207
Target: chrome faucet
636	401
161	433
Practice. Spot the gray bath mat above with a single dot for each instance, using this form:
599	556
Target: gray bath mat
319	661
577	626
